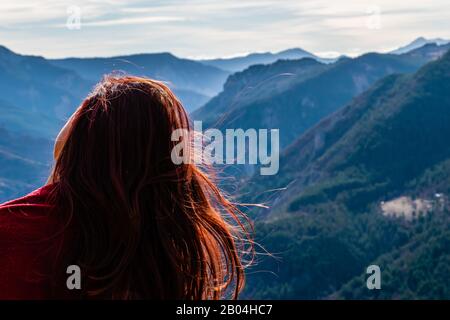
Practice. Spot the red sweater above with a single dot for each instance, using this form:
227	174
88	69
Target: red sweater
28	247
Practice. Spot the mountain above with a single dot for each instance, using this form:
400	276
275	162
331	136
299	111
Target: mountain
367	185
257	83
417	270
427	52
33	88
292	96
419	42
364	174
24	163
37	96
350	140
192	81
241	63
25	121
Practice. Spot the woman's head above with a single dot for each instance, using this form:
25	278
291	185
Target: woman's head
126	122
144	226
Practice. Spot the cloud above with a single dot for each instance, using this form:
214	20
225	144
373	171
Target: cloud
216	28
129	21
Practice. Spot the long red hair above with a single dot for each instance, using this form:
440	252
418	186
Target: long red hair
144	227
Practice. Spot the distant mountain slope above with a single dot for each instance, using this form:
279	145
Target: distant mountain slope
35	99
25	121
37	96
427	52
35	86
419	42
24	163
329	224
257	83
192	80
191	100
377	144
242	63
314	91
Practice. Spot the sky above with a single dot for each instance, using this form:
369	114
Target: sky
210	28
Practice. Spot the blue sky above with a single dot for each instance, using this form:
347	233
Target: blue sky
207	28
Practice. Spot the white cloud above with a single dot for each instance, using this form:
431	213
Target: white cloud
216	28
127	21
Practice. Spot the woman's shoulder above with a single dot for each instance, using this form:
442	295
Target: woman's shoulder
28	246
36	197
28	217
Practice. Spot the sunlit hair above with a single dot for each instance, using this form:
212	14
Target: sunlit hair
144	227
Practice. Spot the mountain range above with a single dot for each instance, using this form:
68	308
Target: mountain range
192	81
294	95
243	62
38	95
331	219
419	42
364	167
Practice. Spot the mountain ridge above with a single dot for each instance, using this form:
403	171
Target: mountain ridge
389	143
419	42
241	63
298	105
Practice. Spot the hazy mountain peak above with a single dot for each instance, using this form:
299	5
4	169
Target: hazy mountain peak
294	51
420	42
4	49
4	52
241	63
153	54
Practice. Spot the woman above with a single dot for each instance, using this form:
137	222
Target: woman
116	206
